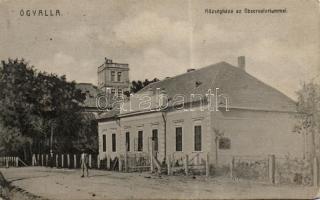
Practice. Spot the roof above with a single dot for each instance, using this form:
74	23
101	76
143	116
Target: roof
109	114
91	92
242	89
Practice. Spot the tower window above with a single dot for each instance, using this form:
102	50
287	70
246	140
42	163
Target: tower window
128	141
113	92
119	76
113	74
119	92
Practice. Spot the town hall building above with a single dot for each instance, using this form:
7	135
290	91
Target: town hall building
249	117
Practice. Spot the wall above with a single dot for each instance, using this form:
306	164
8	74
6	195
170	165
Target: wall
187	120
258	133
108	128
132	124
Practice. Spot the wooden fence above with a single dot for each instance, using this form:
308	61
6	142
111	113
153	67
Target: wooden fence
276	170
11	161
186	165
269	169
63	160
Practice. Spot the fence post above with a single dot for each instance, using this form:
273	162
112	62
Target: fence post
98	161
74	161
90	161
56	160
186	162
108	162
120	163
42	160
17	162
315	169
68	160
272	165
232	167
7	162
207	165
151	156
33	158
126	167
47	157
62	160
169	165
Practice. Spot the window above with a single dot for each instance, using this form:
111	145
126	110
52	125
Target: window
128	141
178	138
114	145
224	143
113	74
197	138
119	76
104	143
140	140
155	138
119	92
113	92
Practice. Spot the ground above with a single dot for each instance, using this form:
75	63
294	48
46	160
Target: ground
67	184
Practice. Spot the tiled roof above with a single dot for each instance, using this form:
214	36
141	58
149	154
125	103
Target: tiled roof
91	92
242	89
109	114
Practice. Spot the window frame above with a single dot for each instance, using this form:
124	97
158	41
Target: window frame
156	142
113	76
120	92
114	142
104	143
119	75
180	139
140	141
127	141
113	91
197	140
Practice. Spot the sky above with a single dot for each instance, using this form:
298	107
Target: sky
165	38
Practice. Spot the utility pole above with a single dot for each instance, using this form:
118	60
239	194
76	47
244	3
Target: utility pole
51	138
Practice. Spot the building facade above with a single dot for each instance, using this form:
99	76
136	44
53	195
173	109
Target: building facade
245	117
113	78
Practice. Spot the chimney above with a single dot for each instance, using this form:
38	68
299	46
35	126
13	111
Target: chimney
107	61
242	62
190	70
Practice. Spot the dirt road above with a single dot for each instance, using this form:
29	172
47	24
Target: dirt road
67	184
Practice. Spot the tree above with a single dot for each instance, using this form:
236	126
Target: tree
309	117
30	102
138	85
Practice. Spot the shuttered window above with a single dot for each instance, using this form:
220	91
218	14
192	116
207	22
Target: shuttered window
155	138
140	141
104	143
197	138
128	141
114	143
178	138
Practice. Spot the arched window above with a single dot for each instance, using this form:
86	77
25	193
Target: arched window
224	143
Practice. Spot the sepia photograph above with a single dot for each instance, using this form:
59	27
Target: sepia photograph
159	99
